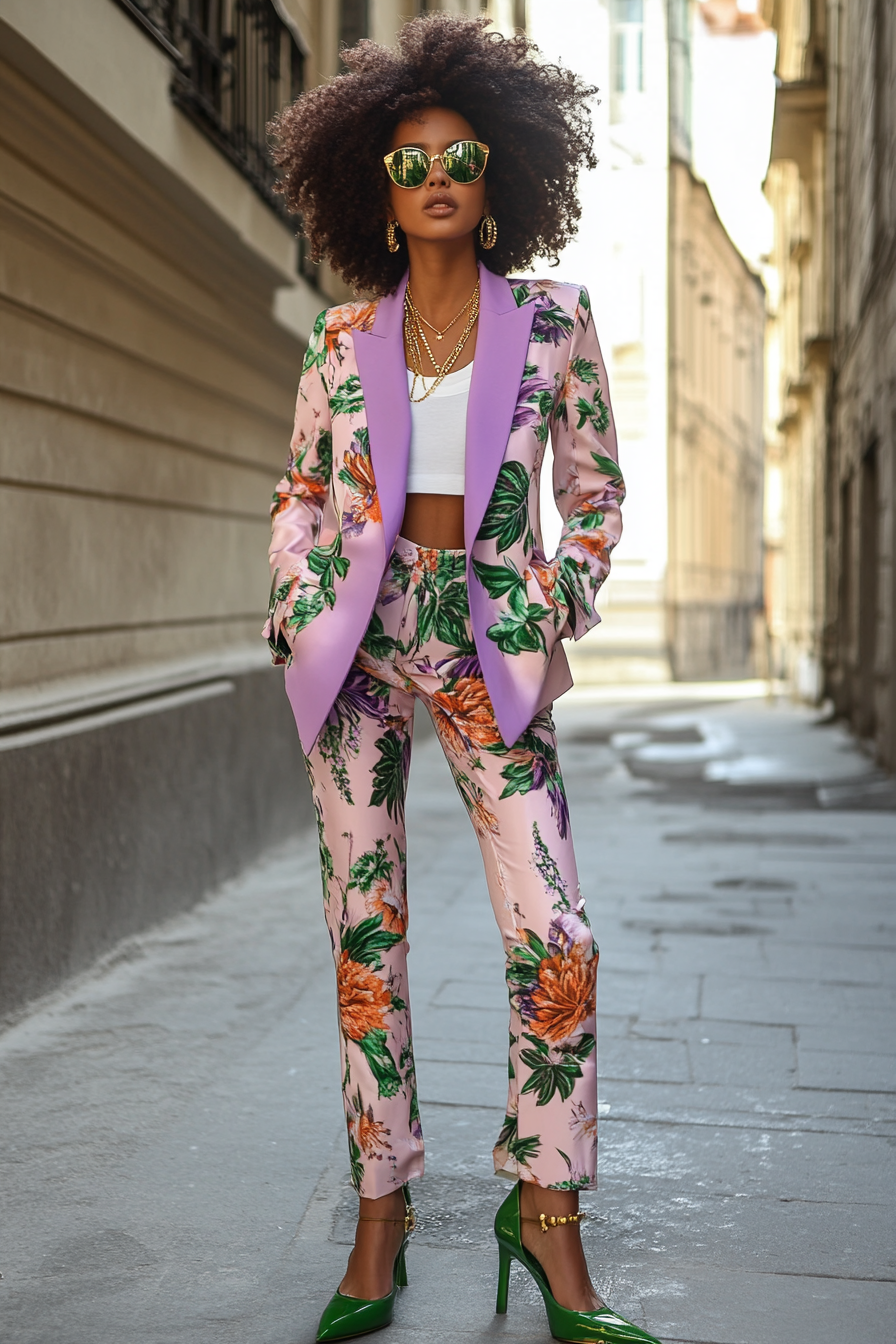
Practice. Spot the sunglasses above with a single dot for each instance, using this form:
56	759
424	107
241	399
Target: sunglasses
463	162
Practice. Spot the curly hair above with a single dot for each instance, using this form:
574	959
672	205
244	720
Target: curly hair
533	116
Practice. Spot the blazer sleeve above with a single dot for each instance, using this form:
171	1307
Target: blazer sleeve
297	507
588	486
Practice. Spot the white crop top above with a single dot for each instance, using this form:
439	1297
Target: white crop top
439	435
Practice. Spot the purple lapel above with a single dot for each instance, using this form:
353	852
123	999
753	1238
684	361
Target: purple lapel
384	383
502	345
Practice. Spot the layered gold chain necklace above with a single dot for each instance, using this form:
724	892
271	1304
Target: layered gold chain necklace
415	338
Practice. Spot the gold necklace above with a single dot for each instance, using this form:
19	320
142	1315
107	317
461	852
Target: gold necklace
441	334
414	334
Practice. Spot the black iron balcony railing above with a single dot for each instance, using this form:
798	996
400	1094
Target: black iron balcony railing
236	63
240	65
159	18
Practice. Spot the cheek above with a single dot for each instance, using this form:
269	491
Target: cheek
477	198
400	202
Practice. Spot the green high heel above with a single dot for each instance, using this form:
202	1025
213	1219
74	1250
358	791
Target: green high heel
345	1317
573	1327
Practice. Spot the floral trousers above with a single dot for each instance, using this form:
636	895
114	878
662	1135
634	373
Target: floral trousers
419	646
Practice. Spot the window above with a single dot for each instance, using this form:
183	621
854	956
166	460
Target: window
628	46
240	65
236	63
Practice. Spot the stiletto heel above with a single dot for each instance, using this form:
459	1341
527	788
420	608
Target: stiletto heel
573	1327
503	1280
345	1317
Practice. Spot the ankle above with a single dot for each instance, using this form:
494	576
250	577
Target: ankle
391	1205
536	1200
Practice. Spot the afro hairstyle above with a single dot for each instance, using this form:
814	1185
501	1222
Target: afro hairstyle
329	144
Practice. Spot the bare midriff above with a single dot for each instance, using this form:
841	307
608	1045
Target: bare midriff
438	520
434	520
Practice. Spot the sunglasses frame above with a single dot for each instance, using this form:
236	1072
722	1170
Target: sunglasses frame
387	160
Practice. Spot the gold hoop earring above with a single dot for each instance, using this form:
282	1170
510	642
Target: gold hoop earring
488	232
392	236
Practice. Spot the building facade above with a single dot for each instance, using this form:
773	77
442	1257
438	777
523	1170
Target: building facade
681	321
833	397
155	308
714	582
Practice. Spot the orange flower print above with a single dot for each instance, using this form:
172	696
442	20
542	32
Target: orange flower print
363	501
564	995
594	543
347	317
464	716
371	1134
547	582
392	905
363	999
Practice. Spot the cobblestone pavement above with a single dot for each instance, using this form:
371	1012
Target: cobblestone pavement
173	1148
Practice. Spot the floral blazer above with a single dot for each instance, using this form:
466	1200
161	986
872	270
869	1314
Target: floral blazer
538	375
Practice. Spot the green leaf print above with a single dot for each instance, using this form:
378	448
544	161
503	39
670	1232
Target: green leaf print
550	1076
382	1065
596	412
372	866
524	959
498	580
517	630
305	608
570	578
389	774
507	516
376	642
316	353
347	398
584	369
522	1149
525	1149
356	1162
609	468
365	941
522	294
329	562
442	606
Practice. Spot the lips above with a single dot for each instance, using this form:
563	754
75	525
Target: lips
440	203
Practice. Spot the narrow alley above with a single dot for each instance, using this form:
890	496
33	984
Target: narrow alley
174	1155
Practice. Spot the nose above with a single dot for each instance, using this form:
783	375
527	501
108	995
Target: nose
438	178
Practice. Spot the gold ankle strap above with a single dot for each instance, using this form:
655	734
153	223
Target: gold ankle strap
546	1223
409	1220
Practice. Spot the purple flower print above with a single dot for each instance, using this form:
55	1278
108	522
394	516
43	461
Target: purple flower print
357	698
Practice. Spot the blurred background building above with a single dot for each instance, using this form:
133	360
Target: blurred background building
681	315
832	350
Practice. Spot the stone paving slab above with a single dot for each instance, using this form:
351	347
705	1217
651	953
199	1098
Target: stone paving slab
173	1161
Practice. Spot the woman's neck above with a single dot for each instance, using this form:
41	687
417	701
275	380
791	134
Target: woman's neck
442	277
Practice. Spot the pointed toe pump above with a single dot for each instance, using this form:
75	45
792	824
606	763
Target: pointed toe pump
345	1317
573	1327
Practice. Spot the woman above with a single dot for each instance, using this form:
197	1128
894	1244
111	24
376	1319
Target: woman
407	564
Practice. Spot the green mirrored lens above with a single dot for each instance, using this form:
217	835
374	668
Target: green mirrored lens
409	167
464	161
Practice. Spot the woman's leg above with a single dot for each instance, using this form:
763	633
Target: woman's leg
517	803
358	771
